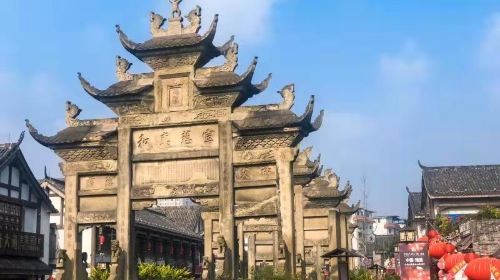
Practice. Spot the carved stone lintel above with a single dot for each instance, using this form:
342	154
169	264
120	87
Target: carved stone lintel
175	191
102	166
101	217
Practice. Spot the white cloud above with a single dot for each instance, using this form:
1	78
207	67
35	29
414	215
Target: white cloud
249	20
407	69
489	52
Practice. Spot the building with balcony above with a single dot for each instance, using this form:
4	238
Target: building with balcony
25	211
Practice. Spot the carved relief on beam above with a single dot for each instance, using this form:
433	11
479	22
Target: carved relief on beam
102	217
175	139
265	207
196	171
269	141
208	205
204	101
97	203
175	191
143	204
176	118
253	156
103	166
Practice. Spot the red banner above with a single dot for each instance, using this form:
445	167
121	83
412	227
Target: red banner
414	261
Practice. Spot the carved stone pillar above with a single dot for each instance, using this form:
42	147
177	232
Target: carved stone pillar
241	251
62	271
71	241
251	256
124	214
299	230
334	238
226	196
208	259
284	159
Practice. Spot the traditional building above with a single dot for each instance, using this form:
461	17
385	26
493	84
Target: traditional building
453	191
416	217
166	235
183	131
24	218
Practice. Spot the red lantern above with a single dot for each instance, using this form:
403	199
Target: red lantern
172	248
452	260
437	250
160	249
479	269
471	256
423	239
149	246
450	248
102	239
432	234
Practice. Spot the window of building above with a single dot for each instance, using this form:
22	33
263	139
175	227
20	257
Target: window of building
10	216
4	175
14	180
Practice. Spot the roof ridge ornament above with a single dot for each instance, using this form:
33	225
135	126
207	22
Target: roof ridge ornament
288	95
122	67
72	112
175	26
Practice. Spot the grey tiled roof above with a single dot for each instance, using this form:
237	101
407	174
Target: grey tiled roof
415	200
483	180
182	220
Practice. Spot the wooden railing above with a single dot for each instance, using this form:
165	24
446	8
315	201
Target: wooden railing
24	244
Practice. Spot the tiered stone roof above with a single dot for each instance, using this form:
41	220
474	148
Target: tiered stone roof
181	47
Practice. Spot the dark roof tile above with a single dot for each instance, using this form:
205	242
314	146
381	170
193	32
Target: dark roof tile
476	180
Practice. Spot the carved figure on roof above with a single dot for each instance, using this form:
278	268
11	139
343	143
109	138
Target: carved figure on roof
304	156
122	67
288	95
332	178
72	112
157	22
194	18
176	11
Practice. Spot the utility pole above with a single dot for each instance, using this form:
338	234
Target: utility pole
365	216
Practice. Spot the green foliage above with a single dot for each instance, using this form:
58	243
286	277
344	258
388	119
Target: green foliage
360	274
151	271
489	212
445	226
98	274
269	273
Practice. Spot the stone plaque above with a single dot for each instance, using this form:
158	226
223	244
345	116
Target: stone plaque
199	171
255	173
176	139
98	182
175	94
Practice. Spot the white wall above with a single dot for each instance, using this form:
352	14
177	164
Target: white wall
45	231
30	220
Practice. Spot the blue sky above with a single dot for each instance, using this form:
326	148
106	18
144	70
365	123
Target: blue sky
399	80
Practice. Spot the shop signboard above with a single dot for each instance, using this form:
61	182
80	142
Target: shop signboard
414	261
